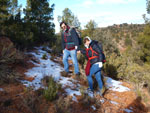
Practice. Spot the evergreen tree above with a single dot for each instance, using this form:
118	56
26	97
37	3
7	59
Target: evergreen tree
4	14
4	9
69	18
90	28
39	16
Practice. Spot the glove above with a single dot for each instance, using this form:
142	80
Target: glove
100	64
76	47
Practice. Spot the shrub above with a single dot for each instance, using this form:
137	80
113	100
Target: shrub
33	99
7	75
44	56
128	41
51	91
9	57
8	54
63	105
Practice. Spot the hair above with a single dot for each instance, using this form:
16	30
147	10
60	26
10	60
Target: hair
86	39
63	23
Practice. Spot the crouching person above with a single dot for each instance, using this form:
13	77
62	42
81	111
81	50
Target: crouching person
94	55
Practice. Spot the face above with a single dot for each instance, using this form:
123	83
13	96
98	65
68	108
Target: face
63	26
87	43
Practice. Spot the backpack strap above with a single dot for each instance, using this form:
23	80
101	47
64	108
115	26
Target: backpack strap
92	57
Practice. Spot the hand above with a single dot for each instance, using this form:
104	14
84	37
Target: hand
78	52
100	64
63	51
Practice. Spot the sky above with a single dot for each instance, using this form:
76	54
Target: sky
103	12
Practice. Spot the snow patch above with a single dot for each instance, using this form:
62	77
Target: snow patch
46	67
115	85
102	100
74	99
128	110
93	107
72	92
113	102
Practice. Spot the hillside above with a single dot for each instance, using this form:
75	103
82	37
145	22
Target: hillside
123	34
27	94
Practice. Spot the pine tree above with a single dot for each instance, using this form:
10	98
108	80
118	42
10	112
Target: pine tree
90	28
69	18
4	10
39	16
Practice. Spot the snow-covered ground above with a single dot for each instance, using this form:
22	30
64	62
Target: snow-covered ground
46	67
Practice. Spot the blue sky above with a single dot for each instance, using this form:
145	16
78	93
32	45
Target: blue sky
103	12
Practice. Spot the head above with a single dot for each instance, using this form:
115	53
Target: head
63	25
87	41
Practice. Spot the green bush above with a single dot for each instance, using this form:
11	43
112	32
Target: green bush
44	56
128	41
51	91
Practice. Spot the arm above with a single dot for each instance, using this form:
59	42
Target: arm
83	51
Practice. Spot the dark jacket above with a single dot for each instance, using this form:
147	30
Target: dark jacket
69	39
95	47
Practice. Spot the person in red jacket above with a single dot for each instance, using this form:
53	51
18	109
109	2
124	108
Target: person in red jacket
94	55
70	46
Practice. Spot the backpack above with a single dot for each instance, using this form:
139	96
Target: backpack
78	34
103	55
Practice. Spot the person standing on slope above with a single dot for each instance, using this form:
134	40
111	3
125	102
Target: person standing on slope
70	46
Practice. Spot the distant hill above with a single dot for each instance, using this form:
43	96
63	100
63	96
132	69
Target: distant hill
123	35
124	30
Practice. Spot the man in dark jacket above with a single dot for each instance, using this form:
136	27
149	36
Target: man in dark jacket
70	45
94	65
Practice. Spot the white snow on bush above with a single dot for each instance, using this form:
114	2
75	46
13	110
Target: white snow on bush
115	85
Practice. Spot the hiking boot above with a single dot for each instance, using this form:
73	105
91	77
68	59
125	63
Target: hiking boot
89	92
